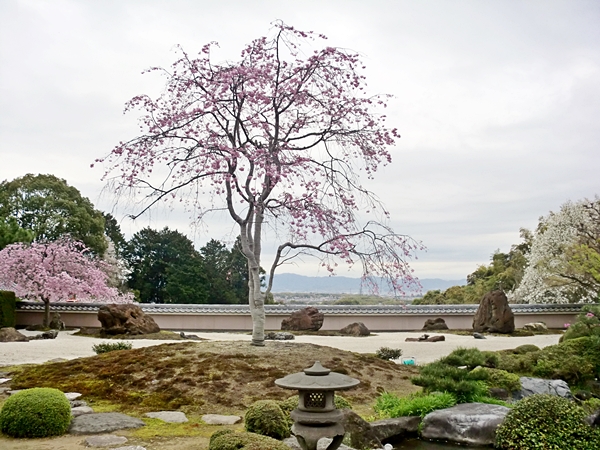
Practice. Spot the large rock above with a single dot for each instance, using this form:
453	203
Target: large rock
435	324
530	386
9	334
465	424
103	423
125	318
56	323
360	431
394	430
356	329
494	314
307	319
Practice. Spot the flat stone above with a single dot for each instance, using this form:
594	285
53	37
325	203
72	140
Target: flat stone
131	447
168	416
105	440
81	410
103	423
218	419
465	424
4	380
72	395
13	391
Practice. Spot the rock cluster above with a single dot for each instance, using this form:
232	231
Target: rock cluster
435	324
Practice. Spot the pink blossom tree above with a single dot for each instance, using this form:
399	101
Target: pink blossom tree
55	271
277	139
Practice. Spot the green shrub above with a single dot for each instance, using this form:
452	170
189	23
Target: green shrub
388	353
35	413
521	363
591	406
218	433
587	324
463	383
574	361
8	309
496	378
265	417
390	405
106	347
546	422
245	441
469	357
527	348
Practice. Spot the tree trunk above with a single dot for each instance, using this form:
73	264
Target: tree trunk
257	308
46	322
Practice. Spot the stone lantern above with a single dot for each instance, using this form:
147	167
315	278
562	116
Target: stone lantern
316	416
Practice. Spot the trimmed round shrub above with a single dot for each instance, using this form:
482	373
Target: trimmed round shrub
245	441
217	434
548	422
36	413
388	353
496	378
265	417
526	348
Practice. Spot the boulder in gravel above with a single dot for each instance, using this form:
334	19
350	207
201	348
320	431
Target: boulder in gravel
435	324
168	416
535	326
103	423
530	386
494	314
9	334
279	336
356	329
307	319
465	424
125	318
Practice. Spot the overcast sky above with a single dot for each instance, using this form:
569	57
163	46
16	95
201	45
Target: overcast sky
497	102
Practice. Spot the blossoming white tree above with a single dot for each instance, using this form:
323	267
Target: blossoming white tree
561	262
278	140
55	271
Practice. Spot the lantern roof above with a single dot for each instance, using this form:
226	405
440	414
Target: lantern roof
317	378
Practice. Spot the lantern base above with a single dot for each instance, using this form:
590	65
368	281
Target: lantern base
308	437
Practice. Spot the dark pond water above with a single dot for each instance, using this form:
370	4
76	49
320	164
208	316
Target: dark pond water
416	444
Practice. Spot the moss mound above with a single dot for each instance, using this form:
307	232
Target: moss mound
245	441
546	422
266	418
36	413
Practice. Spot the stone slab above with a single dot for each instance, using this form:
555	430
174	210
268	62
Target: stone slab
218	419
168	416
72	395
103	423
105	440
81	410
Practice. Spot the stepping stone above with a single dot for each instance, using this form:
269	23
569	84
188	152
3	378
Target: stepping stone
131	447
4	380
72	395
217	419
168	416
81	410
76	403
103	423
106	440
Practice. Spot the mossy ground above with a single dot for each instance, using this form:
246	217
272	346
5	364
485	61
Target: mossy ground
203	377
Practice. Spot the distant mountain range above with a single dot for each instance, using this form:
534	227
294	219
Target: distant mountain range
289	282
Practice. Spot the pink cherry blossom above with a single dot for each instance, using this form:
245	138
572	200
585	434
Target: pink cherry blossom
280	140
54	272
